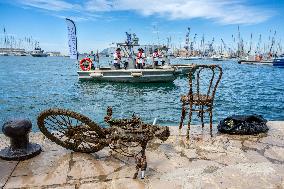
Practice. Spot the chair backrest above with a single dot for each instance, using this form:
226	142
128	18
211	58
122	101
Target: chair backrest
204	80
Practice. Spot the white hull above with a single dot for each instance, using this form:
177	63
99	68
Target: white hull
217	59
38	55
129	75
256	62
190	58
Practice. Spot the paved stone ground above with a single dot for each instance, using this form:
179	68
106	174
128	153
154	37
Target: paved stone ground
221	161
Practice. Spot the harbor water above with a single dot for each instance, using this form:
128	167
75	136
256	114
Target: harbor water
30	85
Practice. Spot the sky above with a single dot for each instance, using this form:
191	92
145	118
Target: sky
103	22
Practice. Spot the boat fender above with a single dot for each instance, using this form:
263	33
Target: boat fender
139	74
82	64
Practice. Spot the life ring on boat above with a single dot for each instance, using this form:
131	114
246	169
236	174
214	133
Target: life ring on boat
82	64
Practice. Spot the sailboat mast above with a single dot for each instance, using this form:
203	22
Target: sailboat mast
187	40
272	43
239	41
250	44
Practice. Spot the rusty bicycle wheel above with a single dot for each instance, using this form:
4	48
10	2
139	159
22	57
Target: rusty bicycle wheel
71	130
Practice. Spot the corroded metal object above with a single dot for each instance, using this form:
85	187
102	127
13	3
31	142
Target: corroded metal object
201	93
128	137
20	148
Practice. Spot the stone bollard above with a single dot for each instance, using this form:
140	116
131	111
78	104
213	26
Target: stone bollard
20	148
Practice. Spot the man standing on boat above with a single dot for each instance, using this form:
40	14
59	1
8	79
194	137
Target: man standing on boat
155	57
117	58
140	60
163	55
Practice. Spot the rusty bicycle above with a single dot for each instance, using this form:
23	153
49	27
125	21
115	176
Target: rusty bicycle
79	133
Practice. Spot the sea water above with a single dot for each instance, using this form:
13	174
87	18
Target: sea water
30	85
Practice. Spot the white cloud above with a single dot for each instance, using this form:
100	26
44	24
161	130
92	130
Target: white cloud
53	5
220	11
74	18
99	5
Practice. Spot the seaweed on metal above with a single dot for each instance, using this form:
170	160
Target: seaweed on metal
77	132
200	97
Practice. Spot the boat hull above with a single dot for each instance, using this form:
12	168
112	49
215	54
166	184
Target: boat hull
279	62
39	55
190	58
255	62
217	59
128	76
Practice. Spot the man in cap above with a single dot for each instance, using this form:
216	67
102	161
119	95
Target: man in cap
155	57
117	58
140	59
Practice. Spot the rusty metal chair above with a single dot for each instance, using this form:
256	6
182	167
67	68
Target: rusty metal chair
201	93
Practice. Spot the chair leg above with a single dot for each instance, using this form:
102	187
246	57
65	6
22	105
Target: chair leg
189	117
183	111
211	116
201	116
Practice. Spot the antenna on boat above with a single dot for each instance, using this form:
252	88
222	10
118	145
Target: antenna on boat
72	39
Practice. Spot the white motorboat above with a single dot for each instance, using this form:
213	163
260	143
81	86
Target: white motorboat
129	74
38	52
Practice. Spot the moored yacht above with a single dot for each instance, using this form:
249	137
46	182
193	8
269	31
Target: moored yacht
38	52
279	62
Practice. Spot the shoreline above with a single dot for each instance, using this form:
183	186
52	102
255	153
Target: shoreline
220	161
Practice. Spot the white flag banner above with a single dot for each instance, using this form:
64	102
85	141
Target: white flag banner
72	39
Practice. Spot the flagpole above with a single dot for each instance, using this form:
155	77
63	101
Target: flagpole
72	39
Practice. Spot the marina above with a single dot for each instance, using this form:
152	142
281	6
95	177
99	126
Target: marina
25	94
150	94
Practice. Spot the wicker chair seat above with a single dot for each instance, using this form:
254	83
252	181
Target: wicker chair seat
198	99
